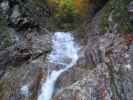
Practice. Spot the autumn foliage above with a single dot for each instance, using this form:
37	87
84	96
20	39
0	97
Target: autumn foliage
68	6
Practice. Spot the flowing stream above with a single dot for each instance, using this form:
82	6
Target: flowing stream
63	56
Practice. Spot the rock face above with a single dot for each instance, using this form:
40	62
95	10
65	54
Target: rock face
111	55
105	67
107	59
130	11
24	44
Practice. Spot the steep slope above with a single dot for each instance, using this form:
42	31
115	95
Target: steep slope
104	70
107	57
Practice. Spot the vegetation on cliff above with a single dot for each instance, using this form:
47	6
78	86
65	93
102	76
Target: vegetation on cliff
5	39
118	11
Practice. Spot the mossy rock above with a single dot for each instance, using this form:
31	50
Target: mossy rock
5	38
39	2
3	89
119	15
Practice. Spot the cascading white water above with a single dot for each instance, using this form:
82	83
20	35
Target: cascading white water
64	50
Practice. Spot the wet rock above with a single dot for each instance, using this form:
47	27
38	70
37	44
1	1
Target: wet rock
87	88
4	60
106	81
104	72
21	55
22	14
14	57
27	74
34	85
130	11
41	43
71	76
36	81
15	13
24	23
4	6
19	63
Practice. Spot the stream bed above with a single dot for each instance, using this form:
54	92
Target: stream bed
63	56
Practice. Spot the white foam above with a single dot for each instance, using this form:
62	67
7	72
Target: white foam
63	47
128	66
24	90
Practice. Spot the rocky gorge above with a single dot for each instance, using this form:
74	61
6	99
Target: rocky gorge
103	31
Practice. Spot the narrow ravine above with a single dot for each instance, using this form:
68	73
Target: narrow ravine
63	57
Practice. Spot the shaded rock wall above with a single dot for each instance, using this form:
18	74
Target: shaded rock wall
107	57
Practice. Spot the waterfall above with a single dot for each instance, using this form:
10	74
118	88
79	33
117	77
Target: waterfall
65	55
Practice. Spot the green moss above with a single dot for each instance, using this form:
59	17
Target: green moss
5	38
39	2
49	50
104	16
118	8
3	88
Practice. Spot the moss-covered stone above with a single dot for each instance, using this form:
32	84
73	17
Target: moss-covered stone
39	2
119	15
5	38
3	89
